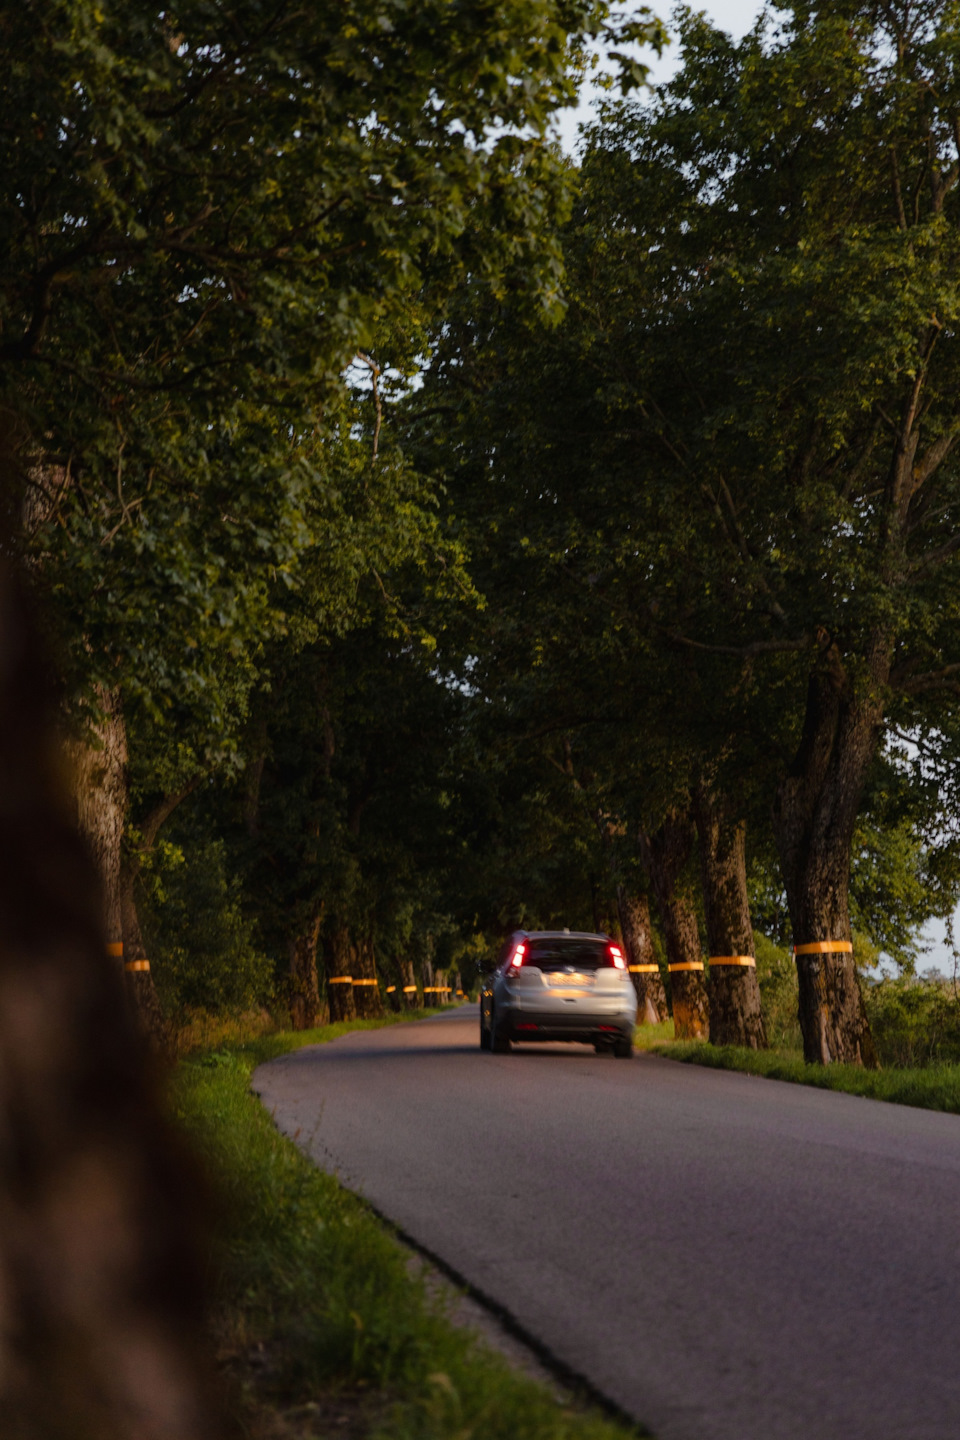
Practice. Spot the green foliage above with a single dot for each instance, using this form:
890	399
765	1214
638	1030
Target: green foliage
203	946
777	978
915	1022
305	1270
208	212
686	500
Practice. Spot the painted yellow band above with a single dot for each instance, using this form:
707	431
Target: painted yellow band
746	960
115	949
643	969
340	980
686	965
365	982
133	965
390	989
824	947
409	989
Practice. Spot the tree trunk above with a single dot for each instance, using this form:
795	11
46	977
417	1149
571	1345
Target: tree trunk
141	990
814	816
410	997
394	991
735	1014
253	776
337	957
637	934
366	986
98	766
304	988
102	1280
666	855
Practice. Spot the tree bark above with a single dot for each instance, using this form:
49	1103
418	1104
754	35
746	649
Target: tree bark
410	997
637	933
304	988
666	855
253	777
102	1279
366	987
736	1017
814	816
337	958
141	989
98	766
394	991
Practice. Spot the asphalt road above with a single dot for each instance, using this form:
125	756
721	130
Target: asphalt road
725	1258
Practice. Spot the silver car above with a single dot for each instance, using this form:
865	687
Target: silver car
558	985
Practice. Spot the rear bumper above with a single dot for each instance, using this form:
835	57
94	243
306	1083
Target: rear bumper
524	1025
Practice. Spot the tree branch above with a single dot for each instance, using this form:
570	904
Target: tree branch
375	375
756	647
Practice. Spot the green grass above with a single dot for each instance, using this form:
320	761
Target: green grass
314	1298
932	1087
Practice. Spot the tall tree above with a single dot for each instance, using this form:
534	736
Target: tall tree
206	213
748	439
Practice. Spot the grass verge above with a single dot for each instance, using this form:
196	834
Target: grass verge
933	1087
321	1325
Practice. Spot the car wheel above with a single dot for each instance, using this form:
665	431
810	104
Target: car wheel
484	1034
499	1044
623	1049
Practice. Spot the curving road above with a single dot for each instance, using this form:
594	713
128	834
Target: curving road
724	1258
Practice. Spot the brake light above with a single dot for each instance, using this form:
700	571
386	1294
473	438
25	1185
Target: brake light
616	955
516	960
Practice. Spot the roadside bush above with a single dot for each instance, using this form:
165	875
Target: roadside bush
203	947
915	1022
777	978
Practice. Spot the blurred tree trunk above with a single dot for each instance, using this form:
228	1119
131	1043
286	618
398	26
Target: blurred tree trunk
637	932
735	1014
102	1334
666	855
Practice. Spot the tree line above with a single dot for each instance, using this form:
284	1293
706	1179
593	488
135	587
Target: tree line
436	534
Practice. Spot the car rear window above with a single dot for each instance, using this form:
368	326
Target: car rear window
558	954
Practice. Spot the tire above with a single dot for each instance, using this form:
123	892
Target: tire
499	1044
484	1035
623	1049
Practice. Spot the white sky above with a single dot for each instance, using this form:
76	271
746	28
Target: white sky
734	16
737	17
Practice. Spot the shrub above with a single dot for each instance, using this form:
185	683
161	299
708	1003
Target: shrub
777	977
915	1022
203	947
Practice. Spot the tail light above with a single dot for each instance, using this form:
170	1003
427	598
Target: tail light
616	955
516	960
